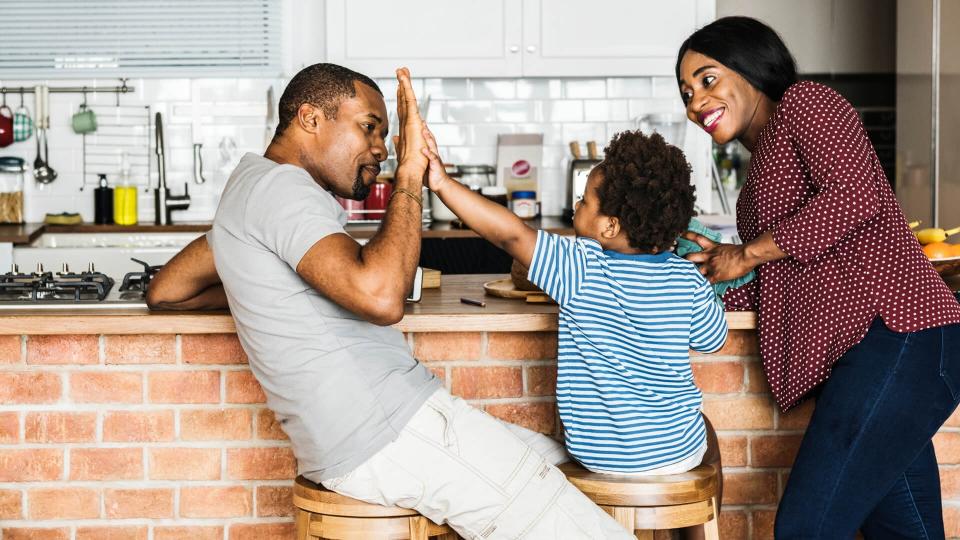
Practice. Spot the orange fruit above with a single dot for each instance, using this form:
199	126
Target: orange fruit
938	250
956	250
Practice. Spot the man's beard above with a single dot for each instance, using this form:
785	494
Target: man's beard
360	190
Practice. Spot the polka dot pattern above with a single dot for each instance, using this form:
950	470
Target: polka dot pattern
816	182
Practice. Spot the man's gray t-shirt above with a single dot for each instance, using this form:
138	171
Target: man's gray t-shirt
341	387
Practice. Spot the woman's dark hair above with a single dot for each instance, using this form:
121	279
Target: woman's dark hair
646	185
749	47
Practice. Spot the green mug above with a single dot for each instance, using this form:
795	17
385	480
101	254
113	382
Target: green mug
84	121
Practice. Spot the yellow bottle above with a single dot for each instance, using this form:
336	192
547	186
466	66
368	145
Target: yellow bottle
125	201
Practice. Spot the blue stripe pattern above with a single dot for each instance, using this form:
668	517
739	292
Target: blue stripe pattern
625	389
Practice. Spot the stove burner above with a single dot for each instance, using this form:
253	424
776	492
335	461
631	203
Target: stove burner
46	286
139	281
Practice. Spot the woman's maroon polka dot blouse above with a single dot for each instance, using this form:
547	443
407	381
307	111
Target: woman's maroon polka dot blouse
816	182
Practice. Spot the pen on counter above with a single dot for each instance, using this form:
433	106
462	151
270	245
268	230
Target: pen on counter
473	302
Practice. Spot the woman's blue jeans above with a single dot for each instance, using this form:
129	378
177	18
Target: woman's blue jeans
867	461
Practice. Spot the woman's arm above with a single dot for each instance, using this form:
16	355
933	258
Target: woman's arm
188	282
833	146
723	262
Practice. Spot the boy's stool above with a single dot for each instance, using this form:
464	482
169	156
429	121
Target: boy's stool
647	503
322	513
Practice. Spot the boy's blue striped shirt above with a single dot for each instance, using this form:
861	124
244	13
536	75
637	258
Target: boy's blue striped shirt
625	389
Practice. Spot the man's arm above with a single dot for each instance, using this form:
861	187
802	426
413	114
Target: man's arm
189	281
494	222
374	280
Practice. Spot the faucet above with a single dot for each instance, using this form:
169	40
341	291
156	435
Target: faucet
163	202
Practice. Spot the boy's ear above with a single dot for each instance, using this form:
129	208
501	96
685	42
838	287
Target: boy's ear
611	227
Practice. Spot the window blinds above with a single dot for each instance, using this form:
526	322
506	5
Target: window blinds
162	38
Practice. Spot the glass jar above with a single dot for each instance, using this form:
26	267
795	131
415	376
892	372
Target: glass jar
497	194
524	204
12	171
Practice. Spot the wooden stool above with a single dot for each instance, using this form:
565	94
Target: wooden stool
322	513
646	504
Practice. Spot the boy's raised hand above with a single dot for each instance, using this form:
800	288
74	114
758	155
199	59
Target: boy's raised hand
436	174
410	143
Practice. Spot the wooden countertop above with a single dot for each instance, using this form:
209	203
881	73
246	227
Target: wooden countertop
440	310
28	232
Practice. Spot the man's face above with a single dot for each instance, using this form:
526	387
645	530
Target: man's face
344	153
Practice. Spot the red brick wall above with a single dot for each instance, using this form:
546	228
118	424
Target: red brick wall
117	437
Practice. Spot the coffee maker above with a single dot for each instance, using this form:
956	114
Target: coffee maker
580	168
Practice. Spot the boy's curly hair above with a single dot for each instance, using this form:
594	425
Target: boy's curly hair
646	185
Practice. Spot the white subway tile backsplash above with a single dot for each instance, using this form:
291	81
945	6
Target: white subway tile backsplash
468	112
629	87
561	110
514	111
539	88
584	132
445	89
466	115
603	110
494	88
585	88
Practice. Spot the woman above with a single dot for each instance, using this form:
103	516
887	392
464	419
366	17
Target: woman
848	305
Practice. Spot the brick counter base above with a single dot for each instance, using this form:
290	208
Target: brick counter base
166	436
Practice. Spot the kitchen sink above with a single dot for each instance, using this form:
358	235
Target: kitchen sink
110	253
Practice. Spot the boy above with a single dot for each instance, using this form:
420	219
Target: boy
629	308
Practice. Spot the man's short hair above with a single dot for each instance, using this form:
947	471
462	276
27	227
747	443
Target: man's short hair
321	85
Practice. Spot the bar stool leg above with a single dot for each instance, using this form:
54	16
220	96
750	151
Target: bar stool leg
418	528
711	530
303	525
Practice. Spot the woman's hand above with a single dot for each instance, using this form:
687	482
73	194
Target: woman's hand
720	262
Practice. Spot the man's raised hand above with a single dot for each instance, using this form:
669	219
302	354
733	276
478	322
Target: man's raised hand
411	161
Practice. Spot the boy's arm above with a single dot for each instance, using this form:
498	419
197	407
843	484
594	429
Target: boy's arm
490	220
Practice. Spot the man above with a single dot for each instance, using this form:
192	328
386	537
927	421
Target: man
313	309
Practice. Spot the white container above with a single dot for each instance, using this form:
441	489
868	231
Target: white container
439	211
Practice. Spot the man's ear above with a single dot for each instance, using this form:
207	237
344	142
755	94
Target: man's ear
611	227
309	117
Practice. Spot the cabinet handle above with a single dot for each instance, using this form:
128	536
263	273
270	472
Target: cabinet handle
514	48
531	48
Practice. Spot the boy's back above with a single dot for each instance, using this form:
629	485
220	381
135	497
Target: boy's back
625	389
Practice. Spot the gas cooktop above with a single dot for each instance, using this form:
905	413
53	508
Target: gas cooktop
47	290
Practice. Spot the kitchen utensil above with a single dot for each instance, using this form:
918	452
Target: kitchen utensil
84	120
198	164
377	200
477	176
43	173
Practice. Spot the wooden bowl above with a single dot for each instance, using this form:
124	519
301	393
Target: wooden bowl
947	267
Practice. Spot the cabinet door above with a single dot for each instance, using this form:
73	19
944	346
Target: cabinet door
608	37
434	38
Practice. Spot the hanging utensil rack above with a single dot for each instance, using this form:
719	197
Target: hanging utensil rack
122	89
121	130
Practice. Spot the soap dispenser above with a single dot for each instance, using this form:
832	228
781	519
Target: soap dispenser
103	202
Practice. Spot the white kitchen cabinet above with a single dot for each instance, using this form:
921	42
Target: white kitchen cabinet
434	38
510	38
572	38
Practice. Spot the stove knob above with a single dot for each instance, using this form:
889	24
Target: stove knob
90	267
65	269
39	268
14	268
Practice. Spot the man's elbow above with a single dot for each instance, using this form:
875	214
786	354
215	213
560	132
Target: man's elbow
385	312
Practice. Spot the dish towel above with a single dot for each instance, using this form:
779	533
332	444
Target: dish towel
685	246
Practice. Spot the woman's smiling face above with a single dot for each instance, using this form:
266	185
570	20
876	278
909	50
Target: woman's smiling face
718	99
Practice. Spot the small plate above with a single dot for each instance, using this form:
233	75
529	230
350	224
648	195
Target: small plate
504	288
946	267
